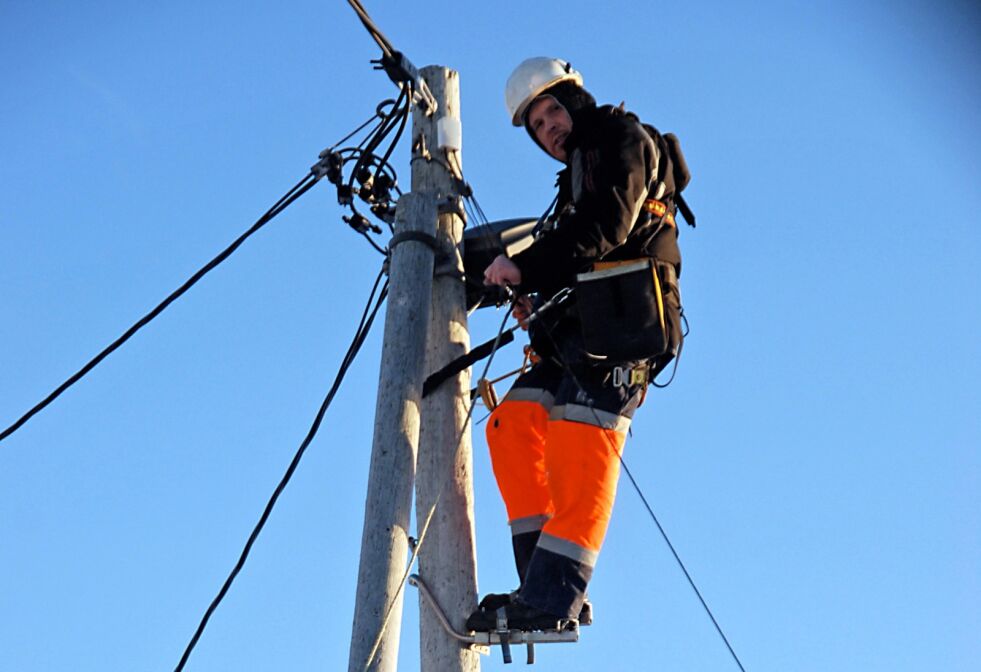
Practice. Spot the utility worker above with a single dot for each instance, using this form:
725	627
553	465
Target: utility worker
555	440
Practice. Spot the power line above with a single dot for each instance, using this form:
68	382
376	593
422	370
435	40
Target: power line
373	30
298	190
367	318
330	165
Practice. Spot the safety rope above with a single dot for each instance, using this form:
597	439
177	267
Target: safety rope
367	318
607	432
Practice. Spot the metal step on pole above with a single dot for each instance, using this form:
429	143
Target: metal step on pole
503	637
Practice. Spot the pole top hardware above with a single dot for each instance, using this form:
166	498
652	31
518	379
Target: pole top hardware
403	73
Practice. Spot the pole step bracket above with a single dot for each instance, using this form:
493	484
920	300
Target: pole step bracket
503	636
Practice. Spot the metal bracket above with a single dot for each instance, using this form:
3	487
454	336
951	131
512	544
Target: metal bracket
451	204
503	637
403	73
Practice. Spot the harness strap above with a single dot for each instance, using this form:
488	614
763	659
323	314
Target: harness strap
629	376
659	209
460	363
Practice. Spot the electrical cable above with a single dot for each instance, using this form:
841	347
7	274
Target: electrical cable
375	245
398	135
470	198
397	115
367	318
298	190
373	30
377	115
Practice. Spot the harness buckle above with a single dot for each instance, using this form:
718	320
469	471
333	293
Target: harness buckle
629	376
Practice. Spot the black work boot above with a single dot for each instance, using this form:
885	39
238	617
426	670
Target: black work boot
520	616
494	601
523	544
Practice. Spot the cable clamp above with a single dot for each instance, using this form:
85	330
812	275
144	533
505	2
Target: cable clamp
451	204
417	236
403	73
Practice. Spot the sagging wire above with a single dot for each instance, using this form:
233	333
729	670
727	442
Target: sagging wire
367	318
375	188
298	190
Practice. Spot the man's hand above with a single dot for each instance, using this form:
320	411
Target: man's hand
502	272
521	310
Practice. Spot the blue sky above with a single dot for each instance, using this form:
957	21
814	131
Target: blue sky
816	462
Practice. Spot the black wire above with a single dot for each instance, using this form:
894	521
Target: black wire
664	535
382	41
677	357
398	134
375	245
376	115
480	211
470	198
379	135
398	116
362	332
298	190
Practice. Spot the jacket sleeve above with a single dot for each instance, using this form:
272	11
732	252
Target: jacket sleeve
610	182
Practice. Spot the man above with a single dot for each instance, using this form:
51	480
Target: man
555	440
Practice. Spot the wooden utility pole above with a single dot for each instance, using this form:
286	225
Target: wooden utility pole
384	542
444	485
425	327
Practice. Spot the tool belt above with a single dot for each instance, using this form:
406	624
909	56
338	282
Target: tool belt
622	312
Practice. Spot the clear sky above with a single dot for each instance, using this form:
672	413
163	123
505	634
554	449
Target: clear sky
816	462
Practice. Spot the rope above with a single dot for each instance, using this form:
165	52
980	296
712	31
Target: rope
362	332
650	510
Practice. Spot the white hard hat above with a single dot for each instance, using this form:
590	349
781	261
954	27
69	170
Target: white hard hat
529	79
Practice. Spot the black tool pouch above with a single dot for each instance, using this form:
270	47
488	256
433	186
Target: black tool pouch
622	312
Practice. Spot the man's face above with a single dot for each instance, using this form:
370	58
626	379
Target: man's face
551	124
